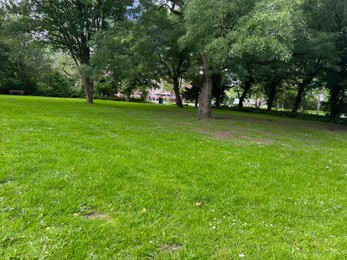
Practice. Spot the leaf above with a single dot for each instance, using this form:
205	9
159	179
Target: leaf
198	203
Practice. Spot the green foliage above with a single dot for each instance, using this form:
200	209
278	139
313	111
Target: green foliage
272	45
71	24
206	21
124	55
104	89
163	30
26	62
266	32
57	85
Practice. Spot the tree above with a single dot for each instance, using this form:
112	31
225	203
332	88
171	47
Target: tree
244	68
25	61
220	83
163	29
234	28
312	52
333	22
4	49
71	24
273	76
124	54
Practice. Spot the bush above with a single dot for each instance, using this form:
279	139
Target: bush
60	86
104	90
55	85
77	93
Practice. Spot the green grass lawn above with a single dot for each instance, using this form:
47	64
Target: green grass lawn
134	181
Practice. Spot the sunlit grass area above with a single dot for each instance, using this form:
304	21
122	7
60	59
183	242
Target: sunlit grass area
127	181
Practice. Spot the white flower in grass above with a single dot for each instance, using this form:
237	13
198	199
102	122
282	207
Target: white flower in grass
242	255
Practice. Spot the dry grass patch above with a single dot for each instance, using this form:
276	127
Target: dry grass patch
98	216
172	248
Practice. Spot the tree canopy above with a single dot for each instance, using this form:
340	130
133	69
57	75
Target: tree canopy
271	47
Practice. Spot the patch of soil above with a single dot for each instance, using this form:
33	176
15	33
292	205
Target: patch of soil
171	248
94	215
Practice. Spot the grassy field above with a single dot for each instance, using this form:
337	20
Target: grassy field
135	181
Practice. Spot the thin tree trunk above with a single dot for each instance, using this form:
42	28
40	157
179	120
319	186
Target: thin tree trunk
218	101
88	88
298	98
128	94
335	99
337	93
300	94
204	110
271	97
247	87
176	86
217	88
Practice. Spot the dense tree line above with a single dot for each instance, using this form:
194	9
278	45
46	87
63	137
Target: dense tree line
278	49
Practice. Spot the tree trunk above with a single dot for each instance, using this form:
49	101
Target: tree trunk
88	88
298	98
128	94
271	96
176	87
204	110
302	86
218	101
217	88
337	92
334	102
247	87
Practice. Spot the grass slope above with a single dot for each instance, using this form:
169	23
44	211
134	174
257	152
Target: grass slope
125	181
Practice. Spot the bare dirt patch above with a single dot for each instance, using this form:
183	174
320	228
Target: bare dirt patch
98	215
94	215
171	247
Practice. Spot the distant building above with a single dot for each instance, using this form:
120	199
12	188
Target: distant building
154	95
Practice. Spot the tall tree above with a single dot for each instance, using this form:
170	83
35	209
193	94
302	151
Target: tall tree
71	24
313	50
4	60
124	54
233	28
332	20
172	60
25	61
